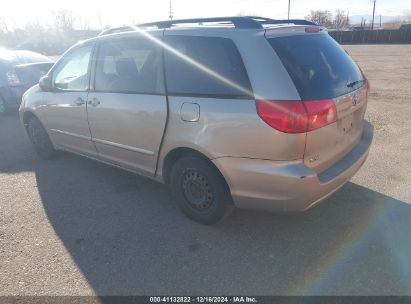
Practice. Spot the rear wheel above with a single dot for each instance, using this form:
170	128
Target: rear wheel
3	106
40	139
200	190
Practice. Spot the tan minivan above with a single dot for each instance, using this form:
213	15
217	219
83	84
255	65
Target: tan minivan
239	111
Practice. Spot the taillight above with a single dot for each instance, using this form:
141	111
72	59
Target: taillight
320	113
12	78
292	116
285	116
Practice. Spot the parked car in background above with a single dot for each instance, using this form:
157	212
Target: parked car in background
248	111
19	70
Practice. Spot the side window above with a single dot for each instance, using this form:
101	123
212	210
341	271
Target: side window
72	73
208	66
131	65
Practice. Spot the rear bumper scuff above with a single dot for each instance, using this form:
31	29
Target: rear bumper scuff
289	185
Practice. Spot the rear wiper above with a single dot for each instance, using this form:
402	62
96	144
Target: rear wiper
354	83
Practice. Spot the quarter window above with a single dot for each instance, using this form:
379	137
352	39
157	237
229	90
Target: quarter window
130	65
205	66
72	73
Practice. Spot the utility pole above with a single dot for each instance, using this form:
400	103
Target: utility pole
99	19
170	13
373	14
380	22
289	9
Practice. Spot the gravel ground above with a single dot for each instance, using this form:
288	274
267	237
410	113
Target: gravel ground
72	226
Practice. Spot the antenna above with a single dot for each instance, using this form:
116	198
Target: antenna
170	13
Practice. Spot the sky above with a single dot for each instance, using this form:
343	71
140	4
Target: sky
17	13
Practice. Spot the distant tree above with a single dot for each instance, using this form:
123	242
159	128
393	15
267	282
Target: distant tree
34	27
341	20
246	13
84	23
64	19
321	17
31	36
3	25
393	25
4	32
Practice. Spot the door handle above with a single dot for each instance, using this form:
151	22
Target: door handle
94	102
79	101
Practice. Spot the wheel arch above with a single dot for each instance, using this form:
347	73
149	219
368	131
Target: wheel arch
177	153
26	116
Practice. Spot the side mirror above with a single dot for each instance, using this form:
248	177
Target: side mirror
45	83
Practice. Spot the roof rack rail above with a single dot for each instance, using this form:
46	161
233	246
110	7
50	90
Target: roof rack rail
238	22
246	22
263	20
120	29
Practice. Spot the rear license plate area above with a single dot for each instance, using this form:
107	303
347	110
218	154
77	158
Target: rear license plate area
347	125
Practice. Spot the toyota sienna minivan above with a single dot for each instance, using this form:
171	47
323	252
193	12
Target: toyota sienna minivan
244	112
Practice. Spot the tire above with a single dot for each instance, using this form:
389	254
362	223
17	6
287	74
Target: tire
40	139
3	107
200	190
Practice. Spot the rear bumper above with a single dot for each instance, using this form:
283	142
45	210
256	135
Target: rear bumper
289	186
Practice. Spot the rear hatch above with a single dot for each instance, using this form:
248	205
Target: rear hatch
324	73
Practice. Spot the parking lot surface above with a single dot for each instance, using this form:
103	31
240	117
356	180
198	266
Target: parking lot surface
72	226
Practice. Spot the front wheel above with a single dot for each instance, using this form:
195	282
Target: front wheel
40	139
200	190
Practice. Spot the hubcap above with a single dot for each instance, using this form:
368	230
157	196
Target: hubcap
197	190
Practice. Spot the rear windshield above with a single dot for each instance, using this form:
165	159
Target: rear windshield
23	57
318	65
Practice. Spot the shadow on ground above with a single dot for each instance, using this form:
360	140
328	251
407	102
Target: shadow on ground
128	238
